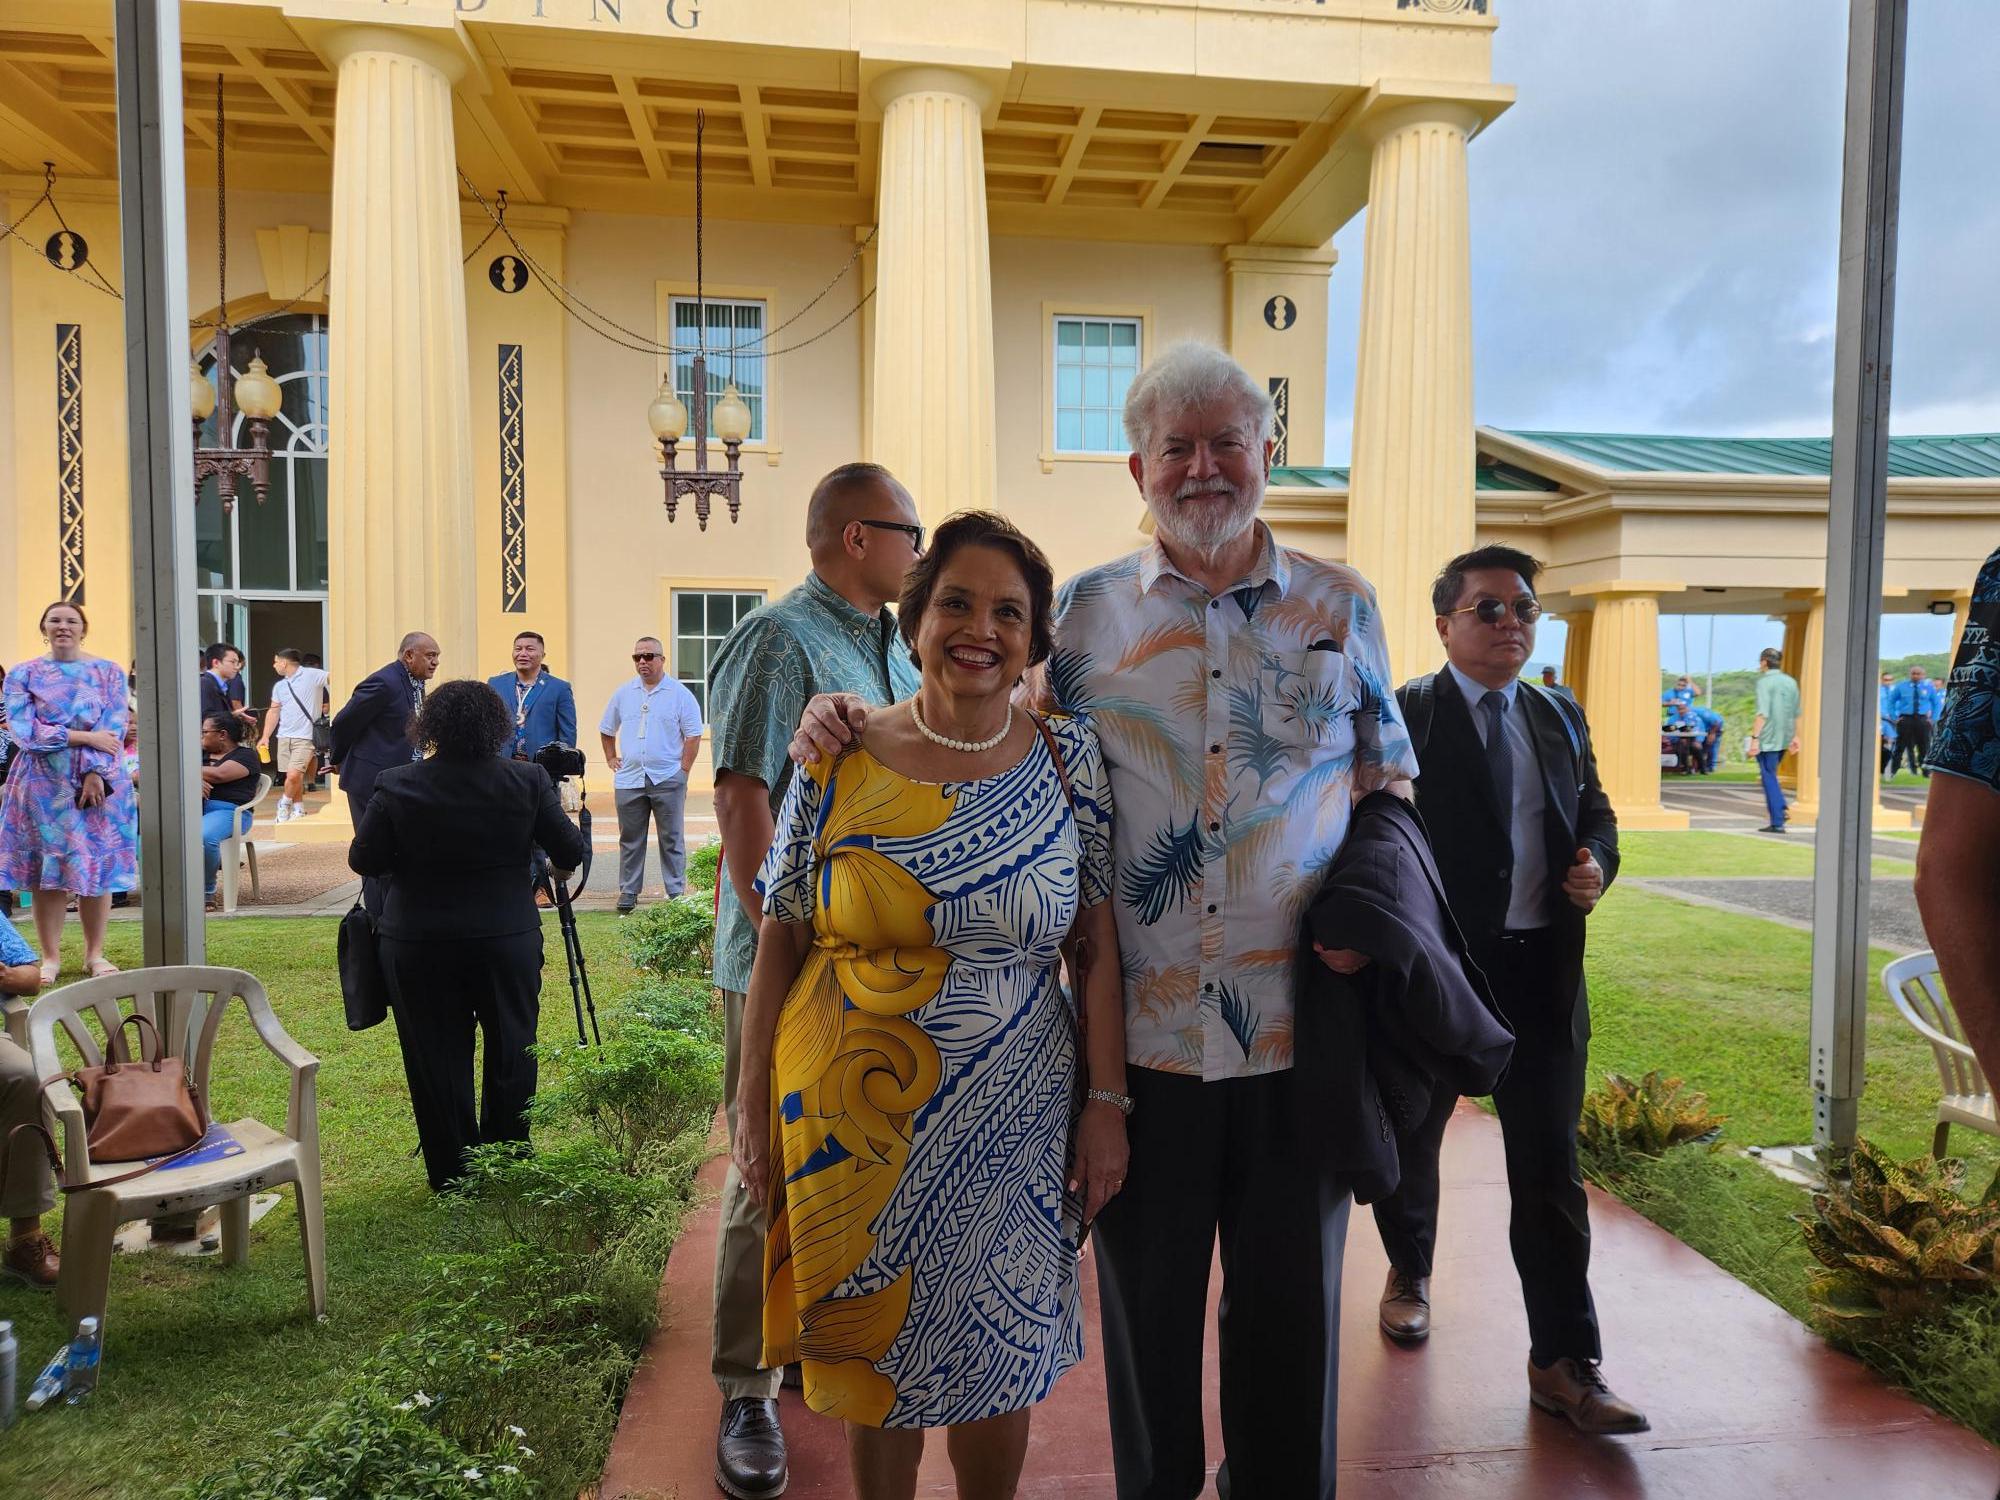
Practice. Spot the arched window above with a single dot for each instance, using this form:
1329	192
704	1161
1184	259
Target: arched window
261	570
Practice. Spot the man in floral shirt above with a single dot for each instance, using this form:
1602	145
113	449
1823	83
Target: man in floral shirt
1958	863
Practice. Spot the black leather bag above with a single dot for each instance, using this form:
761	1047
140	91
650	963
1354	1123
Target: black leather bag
361	983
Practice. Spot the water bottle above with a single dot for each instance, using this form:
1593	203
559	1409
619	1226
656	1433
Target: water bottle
84	1352
10	1350
49	1384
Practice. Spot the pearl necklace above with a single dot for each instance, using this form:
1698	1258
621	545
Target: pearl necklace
970	747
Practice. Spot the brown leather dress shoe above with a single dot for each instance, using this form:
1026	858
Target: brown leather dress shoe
1406	1307
1575	1388
33	1260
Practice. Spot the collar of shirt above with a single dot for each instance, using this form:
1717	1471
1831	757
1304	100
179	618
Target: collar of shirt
1474	691
845	615
1271	566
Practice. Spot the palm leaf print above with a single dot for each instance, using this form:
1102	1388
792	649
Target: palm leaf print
1252	747
1237	1016
1172	635
1068	679
1163	878
1139	734
1253	838
1311	619
1313	707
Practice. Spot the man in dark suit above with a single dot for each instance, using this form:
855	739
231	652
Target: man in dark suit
372	731
222	689
1527	842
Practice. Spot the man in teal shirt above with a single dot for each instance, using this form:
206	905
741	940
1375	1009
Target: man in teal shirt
1776	730
831	634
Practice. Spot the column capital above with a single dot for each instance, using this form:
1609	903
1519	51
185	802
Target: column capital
1624	588
1394	105
436	43
974	76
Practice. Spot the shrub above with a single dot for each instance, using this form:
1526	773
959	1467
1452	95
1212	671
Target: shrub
567	1201
704	866
1898	1241
646	1084
1950	1360
1641	1119
367	1446
681	1003
672	937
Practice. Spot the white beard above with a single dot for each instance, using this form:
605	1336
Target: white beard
1208	529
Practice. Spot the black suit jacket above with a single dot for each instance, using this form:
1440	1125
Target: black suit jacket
1471	834
457	837
372	730
217	699
1372	1049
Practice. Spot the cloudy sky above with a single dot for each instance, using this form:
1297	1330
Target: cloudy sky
1654	226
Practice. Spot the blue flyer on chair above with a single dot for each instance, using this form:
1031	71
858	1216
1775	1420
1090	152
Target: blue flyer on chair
214	1146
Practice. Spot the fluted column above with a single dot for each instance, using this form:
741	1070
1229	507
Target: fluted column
1410	500
1623	690
1576	655
400	503
932	410
1810	664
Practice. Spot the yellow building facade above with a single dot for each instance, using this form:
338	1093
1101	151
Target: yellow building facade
940	236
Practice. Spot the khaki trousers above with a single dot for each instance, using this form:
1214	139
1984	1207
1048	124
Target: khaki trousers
30	1191
738	1353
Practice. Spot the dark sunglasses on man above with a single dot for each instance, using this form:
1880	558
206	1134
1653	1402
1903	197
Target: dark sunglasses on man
914	533
1492	611
640	656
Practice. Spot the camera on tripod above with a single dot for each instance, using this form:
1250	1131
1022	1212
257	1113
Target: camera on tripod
559	760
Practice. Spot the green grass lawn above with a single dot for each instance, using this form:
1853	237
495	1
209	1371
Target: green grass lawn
202	1364
1735	773
1706	852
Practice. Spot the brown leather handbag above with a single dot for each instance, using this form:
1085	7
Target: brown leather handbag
135	1110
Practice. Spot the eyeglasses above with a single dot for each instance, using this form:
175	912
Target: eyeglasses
645	656
914	533
1493	611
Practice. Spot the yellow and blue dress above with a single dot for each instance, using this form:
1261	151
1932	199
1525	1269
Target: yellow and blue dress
922	1257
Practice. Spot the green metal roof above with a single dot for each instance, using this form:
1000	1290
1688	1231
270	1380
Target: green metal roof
1485	477
1969	456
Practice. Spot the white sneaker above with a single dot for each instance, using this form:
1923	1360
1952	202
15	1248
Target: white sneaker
285	812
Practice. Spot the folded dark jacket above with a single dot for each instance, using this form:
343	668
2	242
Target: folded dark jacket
1372	1049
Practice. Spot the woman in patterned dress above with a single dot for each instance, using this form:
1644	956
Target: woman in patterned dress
69	822
926	1170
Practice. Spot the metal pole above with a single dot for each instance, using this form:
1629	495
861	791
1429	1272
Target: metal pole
153	234
1857	516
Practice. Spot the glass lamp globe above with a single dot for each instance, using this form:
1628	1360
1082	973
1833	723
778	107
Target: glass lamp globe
257	394
732	416
201	395
667	416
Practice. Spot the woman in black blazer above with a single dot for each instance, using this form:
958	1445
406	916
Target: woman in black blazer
460	938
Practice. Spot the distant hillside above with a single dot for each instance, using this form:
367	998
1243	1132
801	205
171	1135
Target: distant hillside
1736	694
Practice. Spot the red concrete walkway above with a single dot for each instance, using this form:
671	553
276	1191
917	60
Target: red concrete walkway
1744	1401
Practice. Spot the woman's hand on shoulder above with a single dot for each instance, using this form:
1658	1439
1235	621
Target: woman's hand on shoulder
830	727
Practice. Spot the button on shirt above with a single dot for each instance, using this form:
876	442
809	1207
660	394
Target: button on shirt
759	680
1528	895
1235	750
1923	699
652	724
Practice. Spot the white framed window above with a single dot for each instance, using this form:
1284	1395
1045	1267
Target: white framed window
702	617
734	343
1096	359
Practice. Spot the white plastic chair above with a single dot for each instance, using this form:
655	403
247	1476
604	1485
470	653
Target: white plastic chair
177	1001
1917	991
239	846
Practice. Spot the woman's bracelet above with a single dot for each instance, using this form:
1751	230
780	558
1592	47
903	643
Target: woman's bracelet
1120	1102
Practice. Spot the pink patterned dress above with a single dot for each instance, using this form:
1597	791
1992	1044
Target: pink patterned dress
47	842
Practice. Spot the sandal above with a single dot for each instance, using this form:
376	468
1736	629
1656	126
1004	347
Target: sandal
97	968
51	972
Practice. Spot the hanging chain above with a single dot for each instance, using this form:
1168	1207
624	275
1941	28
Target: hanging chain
700	315
221	221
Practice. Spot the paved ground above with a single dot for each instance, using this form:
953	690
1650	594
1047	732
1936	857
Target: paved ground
1893	922
1744	1400
1736	804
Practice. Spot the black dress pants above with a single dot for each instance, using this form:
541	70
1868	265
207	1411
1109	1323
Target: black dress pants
1538	1102
441	991
1225	1160
1913	741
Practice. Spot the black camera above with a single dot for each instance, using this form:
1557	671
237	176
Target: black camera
559	760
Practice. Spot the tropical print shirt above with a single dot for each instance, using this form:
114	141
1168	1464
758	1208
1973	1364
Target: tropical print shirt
1968	738
1237	729
810	641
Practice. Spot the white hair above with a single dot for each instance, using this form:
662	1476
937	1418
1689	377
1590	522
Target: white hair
1188	374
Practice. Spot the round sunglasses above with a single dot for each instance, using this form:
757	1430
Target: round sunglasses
1492	611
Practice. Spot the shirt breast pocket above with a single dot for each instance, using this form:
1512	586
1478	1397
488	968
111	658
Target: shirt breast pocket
1311	698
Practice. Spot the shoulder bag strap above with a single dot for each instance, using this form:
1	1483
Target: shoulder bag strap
1419	711
1076	948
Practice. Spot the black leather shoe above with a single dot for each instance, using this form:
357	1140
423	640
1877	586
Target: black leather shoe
750	1450
1406	1307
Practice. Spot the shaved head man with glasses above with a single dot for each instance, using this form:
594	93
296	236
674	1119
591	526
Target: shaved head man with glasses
831	634
652	733
1526	842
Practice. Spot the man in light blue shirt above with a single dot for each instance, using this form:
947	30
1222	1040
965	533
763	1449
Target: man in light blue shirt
1915	705
652	733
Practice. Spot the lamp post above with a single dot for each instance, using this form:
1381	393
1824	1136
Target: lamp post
256	395
668	418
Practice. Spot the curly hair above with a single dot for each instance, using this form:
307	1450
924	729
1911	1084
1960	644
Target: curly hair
981	528
462	720
226	725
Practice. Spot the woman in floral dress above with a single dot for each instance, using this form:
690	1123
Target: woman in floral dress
69	821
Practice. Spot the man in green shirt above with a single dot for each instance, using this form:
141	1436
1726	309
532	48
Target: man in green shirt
831	634
1776	729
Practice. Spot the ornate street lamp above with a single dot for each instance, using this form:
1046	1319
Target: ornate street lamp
254	392
668	417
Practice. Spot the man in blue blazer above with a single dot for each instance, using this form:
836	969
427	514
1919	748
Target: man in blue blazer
372	731
539	704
